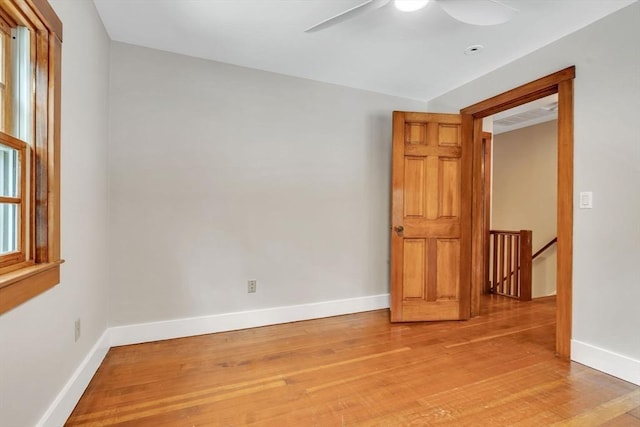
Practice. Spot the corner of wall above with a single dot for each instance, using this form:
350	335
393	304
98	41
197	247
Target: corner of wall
618	365
68	397
66	400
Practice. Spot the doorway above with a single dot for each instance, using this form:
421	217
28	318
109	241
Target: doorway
560	83
520	170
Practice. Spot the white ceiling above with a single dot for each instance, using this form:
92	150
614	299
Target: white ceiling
535	112
417	55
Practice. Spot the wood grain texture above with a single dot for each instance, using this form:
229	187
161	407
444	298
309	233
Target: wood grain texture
467	217
21	285
42	241
449	188
473	132
561	83
429	189
414	269
487	155
526	93
512	261
447	276
42	148
497	369
414	182
526	269
48	16
54	158
565	218
397	214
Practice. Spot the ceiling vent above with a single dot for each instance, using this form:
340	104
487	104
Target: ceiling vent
523	117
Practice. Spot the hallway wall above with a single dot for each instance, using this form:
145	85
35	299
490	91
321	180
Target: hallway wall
524	195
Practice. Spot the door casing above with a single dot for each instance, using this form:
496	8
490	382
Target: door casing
561	83
487	141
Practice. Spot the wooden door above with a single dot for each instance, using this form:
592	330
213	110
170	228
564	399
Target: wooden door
431	218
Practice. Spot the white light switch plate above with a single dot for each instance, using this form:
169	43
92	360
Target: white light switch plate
586	200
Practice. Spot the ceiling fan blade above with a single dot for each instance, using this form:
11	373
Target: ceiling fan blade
348	14
478	12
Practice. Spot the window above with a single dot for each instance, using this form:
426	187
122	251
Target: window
15	120
30	47
13	201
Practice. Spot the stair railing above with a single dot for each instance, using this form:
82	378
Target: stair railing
513	263
545	247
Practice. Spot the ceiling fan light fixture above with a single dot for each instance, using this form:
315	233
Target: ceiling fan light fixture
410	5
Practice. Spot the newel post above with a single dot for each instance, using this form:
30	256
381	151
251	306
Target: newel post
525	264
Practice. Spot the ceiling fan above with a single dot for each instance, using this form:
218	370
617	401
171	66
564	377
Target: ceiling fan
475	12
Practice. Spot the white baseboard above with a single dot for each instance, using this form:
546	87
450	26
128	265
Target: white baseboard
58	412
603	360
619	366
168	329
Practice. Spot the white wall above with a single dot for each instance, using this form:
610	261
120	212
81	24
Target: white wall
37	351
524	193
607	158
220	174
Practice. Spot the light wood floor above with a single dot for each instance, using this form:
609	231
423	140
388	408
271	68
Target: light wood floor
359	370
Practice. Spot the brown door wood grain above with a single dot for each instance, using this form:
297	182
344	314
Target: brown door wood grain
487	138
431	218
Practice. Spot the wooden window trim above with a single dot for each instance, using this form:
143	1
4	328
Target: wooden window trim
21	282
5	28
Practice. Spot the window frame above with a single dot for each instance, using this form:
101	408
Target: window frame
5	80
40	270
23	200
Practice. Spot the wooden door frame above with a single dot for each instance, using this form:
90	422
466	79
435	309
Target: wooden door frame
561	83
487	139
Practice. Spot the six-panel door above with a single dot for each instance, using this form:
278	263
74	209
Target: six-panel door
430	236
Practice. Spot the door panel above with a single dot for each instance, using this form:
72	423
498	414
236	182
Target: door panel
414	181
448	276
414	268
430	239
449	186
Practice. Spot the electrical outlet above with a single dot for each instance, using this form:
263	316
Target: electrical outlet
77	329
252	286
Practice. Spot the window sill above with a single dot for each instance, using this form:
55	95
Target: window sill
21	285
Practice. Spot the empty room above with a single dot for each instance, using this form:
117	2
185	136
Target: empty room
279	213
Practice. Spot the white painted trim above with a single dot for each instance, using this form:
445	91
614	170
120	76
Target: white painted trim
62	406
168	329
603	360
606	361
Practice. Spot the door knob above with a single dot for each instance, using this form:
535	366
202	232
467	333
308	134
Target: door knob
399	229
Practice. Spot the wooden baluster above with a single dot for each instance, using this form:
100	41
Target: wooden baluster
514	269
516	277
509	265
494	284
501	273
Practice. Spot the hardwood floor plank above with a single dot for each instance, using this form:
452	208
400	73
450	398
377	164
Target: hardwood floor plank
624	420
511	331
604	412
498	369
